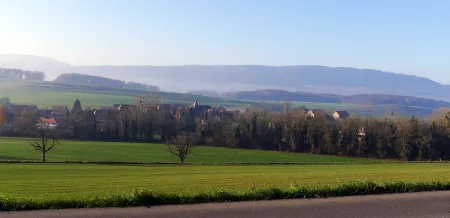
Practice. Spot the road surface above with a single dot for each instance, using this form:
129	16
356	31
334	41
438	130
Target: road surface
425	204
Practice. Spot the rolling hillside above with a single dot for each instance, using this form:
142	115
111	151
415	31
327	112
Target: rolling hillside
225	78
46	94
105	85
366	99
364	105
75	78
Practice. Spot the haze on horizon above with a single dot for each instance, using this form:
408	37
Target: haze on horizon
409	37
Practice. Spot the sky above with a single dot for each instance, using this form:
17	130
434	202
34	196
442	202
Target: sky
403	36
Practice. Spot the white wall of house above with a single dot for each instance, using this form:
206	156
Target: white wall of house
7	126
45	125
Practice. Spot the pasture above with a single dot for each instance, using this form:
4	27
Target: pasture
46	94
207	177
54	181
327	107
15	149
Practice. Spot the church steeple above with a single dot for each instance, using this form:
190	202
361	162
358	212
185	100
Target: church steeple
195	104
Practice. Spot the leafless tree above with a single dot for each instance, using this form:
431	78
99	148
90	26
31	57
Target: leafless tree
180	146
3	117
25	118
45	141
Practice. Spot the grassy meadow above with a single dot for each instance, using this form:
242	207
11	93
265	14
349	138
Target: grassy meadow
15	149
54	181
207	177
327	107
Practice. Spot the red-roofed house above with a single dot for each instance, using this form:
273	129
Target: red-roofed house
47	122
340	115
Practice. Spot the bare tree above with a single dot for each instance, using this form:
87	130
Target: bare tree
180	146
3	117
44	142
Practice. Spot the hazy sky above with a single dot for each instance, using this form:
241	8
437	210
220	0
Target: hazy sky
405	36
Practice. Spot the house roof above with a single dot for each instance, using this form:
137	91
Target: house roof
47	121
59	107
343	114
127	107
202	107
111	108
317	110
240	109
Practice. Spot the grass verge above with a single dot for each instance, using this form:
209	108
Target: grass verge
151	198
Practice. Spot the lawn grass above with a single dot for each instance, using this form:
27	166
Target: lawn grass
89	185
15	149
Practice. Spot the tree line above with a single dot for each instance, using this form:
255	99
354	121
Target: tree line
292	130
75	78
16	74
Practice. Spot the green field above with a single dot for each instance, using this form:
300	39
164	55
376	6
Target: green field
327	107
51	181
46	94
206	178
13	149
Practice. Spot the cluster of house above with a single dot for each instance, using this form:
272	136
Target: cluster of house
179	112
335	116
51	117
18	114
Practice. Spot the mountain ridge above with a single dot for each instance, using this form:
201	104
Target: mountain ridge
360	99
226	78
76	78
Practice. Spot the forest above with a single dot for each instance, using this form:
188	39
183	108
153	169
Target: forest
408	139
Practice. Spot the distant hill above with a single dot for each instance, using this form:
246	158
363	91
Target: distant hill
204	93
74	78
310	79
366	99
282	95
226	78
51	67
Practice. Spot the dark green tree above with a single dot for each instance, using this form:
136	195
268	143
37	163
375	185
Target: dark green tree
76	109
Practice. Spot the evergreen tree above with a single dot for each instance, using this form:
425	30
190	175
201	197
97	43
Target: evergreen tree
425	151
382	145
254	131
331	140
76	107
117	130
126	130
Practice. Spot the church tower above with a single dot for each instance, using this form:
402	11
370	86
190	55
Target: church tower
195	104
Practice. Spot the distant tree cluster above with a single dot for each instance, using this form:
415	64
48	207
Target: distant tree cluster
292	130
16	74
76	78
5	101
140	86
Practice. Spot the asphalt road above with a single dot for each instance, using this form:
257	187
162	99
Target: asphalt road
425	204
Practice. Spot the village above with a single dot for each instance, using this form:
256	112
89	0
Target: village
19	115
